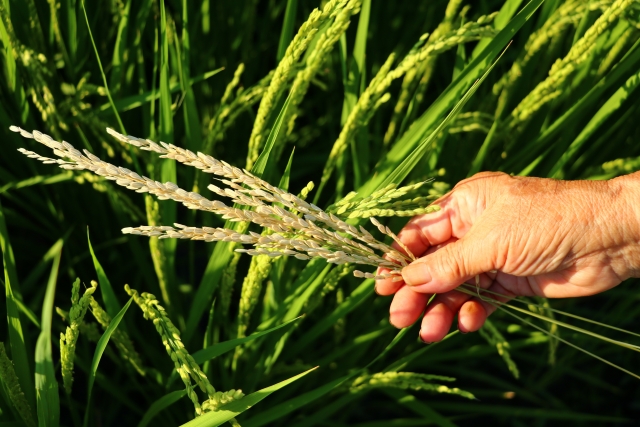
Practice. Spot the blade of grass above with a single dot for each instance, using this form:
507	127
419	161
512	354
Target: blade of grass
112	305
39	269
425	411
97	355
168	211
16	336
7	254
46	386
135	101
354	85
357	297
233	409
118	61
216	350
284	408
293	311
191	117
104	76
160	405
287	28
24	309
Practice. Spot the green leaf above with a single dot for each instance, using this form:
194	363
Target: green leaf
287	28
420	408
16	336
216	350
104	76
193	127
161	404
135	101
260	166
168	211
97	355
282	409
291	405
357	297
47	397
233	409
118	61
111	302
284	181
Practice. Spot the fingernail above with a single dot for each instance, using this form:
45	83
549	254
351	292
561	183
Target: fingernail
463	332
416	274
420	338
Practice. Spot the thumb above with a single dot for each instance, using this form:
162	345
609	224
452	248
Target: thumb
450	266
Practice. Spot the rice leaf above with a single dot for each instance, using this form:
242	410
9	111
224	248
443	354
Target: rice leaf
407	165
160	405
261	164
118	61
168	211
216	350
16	337
193	131
112	305
420	408
290	405
233	409
278	411
287	28
134	101
46	386
97	355
357	297
104	76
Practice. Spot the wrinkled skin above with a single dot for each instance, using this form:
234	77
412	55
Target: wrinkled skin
521	237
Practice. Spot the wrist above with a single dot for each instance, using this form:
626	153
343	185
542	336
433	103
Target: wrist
625	253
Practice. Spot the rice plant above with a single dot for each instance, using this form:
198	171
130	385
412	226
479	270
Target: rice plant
299	136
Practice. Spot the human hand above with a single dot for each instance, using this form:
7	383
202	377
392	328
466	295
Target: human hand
523	237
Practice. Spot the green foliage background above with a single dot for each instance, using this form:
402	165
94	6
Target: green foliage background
560	102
